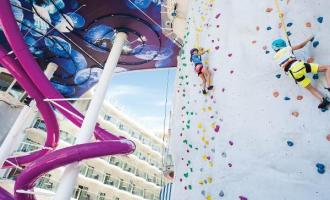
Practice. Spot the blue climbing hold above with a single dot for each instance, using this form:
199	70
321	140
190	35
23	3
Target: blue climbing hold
267	52
315	76
278	76
320	20
320	168
290	143
289	33
287	98
269	28
316	43
289	24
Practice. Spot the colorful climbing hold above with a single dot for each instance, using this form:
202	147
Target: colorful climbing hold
295	114
328	137
316	43
276	94
290	143
242	198
320	168
320	20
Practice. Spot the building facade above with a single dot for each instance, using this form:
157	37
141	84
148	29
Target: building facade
132	177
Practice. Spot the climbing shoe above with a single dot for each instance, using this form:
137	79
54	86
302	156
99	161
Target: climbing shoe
324	104
327	89
210	87
204	91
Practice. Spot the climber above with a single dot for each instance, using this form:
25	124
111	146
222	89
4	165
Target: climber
297	69
202	72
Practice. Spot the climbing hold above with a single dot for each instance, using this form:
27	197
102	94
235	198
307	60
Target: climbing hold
276	94
186	175
299	98
258	28
254	41
217	128
278	76
290	143
231	143
221	194
289	24
242	198
316	43
289	33
328	137
295	114
269	28
269	10
230	55
308	25
315	76
320	20
287	98
230	165
217	48
320	168
224	155
218	15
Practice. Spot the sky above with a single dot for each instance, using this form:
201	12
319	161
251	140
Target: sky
142	94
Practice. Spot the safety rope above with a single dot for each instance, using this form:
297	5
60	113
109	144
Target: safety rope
283	25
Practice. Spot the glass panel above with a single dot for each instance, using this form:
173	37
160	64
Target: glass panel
5	81
16	91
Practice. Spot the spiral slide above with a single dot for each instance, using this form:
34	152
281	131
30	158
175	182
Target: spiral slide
31	78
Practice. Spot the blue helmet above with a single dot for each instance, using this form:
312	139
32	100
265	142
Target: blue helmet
278	44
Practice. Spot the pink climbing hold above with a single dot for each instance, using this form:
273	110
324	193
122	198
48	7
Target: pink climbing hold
217	128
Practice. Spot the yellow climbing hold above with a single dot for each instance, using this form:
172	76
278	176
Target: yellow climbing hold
200	125
209	179
204	157
201	182
208	197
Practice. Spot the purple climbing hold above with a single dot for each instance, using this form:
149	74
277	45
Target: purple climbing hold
242	198
320	20
217	128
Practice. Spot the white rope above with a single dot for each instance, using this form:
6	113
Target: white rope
68	99
68	111
13	164
145	14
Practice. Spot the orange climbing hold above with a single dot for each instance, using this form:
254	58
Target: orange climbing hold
269	10
276	94
308	25
295	114
299	98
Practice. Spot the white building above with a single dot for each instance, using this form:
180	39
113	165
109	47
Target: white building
133	177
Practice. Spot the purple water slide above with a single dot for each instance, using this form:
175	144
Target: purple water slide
31	76
46	111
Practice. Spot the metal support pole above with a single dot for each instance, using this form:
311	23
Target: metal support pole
70	174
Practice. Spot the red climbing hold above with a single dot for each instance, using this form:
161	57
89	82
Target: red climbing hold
295	114
299	98
269	10
328	137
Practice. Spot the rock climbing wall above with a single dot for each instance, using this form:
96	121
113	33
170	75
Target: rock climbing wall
258	135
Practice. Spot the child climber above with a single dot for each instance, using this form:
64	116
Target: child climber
297	69
202	72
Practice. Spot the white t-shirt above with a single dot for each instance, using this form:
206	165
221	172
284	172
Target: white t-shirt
283	55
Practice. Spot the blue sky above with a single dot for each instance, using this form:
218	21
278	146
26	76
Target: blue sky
141	95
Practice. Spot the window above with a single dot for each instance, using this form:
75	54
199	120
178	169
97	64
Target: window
16	91
39	124
12	173
5	81
101	196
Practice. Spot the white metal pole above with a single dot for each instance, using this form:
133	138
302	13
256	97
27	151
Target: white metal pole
70	174
15	134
